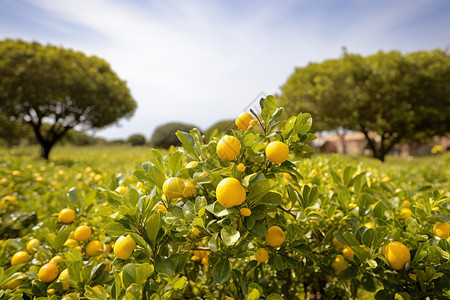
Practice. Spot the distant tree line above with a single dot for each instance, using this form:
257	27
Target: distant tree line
400	97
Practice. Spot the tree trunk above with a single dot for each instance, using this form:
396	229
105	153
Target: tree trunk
46	147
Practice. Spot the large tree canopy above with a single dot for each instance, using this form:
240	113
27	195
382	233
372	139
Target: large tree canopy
399	97
48	84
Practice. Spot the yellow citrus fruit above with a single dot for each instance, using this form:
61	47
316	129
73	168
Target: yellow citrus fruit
16	173
277	152
386	179
189	190
62	277
51	291
230	192
348	253
173	188
205	261
98	178
287	176
338	245
122	190
82	233
94	248
18	280
245	211
442	230
275	236
397	255
262	255
71	243
405	213
48	272
228	147
243	121
192	164
241	167
20	257
339	264
56	259
66	216
406	203
32	245
369	225
124	247
161	208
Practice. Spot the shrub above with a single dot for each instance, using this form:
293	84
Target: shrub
164	135
136	140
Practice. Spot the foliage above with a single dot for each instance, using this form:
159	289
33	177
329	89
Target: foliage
136	140
12	132
398	97
192	247
48	84
220	128
164	136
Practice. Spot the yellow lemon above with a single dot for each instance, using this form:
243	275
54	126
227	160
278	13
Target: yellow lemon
277	152
71	243
56	259
348	253
338	245
66	216
18	280
228	147
32	245
98	178
369	225
16	173
442	230
94	248
124	247
230	192
161	208
406	203
262	255
62	277
245	211
386	179
397	255
405	213
189	190
339	264
82	233
244	120
173	188
122	190
241	167
48	272
275	236
20	257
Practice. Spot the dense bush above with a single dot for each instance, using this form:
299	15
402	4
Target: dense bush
164	135
223	127
136	139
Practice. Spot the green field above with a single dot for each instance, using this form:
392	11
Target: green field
33	191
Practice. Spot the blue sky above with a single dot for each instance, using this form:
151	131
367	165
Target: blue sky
203	61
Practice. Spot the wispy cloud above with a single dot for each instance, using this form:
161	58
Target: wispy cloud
202	61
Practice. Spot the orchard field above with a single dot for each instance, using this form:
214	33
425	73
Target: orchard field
229	218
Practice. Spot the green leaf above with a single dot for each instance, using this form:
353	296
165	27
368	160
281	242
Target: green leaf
152	227
136	273
259	190
229	235
253	295
368	237
115	228
175	162
217	209
214	242
259	230
61	238
164	266
302	124
269	108
274	296
188	143
180	283
295	197
272	197
221	270
189	210
156	176
132	196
